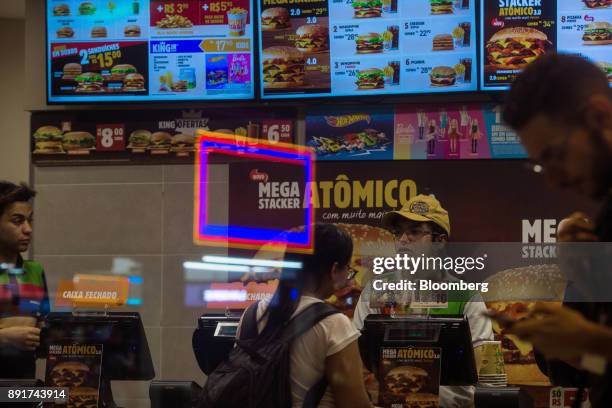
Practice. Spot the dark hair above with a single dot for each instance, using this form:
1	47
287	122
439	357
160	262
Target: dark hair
556	85
12	193
331	245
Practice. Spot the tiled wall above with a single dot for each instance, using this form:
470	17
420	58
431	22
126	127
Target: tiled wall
88	216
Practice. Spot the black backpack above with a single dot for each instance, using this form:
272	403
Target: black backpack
256	372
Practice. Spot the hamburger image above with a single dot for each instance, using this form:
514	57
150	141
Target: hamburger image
61	10
87	9
133	83
132	31
598	33
48	139
513	293
441	7
372	78
606	67
65	32
160	141
443	42
89	82
71	71
283	67
367	8
369	43
402	381
182	143
597	3
421	400
83	397
140	138
514	48
179	86
274	18
69	374
99	32
74	141
119	71
442	76
312	38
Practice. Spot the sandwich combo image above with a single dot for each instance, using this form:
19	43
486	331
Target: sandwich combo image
514	48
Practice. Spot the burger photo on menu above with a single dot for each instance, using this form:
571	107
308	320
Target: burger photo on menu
132	31
78	142
99	32
598	33
48	140
87	9
274	18
69	374
514	293
119	71
441	7
514	48
160	142
312	38
83	397
372	78
369	43
442	76
283	67
61	10
606	67
71	71
367	8
182	143
139	139
598	3
65	32
89	82
134	83
443	42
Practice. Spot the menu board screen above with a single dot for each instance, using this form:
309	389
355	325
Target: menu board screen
313	48
142	50
517	32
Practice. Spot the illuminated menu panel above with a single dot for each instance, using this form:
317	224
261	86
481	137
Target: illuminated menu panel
141	50
366	47
515	33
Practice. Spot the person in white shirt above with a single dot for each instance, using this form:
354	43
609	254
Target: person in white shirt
421	225
330	347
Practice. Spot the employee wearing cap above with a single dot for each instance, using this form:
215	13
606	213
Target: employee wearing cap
422	226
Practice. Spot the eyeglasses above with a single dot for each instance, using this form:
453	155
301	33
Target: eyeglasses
414	232
352	272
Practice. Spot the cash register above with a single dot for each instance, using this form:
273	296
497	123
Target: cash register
214	338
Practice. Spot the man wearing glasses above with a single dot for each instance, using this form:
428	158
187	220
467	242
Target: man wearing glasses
423	227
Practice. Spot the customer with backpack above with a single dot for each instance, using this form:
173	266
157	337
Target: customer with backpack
294	350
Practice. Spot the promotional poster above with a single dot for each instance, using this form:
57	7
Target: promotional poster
410	377
145	50
77	367
412	132
134	137
372	47
513	36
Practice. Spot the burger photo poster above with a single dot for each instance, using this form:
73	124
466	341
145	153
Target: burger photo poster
513	36
349	134
409	377
294	43
77	367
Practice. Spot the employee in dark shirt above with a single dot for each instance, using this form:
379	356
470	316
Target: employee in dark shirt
561	107
23	289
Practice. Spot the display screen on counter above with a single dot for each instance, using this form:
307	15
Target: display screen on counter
366	47
515	33
142	50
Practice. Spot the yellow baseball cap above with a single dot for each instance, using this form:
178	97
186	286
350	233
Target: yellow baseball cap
420	208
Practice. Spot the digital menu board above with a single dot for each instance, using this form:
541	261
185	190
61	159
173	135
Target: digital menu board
142	50
312	48
516	32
